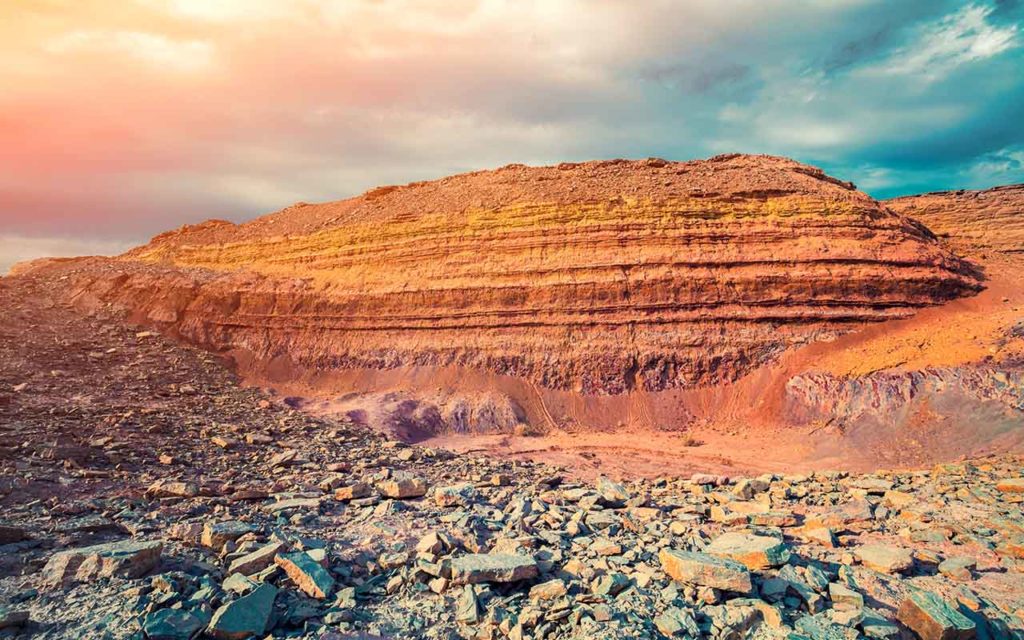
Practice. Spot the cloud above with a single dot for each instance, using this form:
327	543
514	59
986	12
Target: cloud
123	119
155	49
962	37
15	248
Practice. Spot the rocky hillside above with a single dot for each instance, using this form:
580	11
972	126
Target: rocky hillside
144	495
972	221
600	278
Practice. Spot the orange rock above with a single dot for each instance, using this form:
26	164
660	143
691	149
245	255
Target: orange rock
599	277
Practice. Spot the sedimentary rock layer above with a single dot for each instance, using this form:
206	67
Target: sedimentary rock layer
599	277
973	221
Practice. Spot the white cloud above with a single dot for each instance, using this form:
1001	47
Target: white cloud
156	49
959	38
17	248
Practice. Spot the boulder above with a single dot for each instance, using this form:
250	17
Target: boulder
171	624
307	574
753	551
885	558
703	570
403	486
127	559
217	534
493	567
245	617
932	618
256	561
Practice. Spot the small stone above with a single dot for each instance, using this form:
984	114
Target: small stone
611	492
461	494
677	623
549	590
885	558
13	618
438	585
293	504
606	548
217	534
932	618
308	575
703	570
958	567
246	617
127	559
239	583
10	534
818	534
843	595
352	492
403	486
500	480
754	551
467	610
1011	485
171	624
172	489
611	584
497	567
224	443
257	560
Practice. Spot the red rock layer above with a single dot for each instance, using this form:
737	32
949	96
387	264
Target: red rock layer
599	277
973	221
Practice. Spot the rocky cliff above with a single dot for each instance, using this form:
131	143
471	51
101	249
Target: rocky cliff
971	221
599	278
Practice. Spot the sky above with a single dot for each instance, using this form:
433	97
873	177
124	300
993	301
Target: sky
120	119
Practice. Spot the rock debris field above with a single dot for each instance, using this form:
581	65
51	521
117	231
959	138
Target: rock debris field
145	494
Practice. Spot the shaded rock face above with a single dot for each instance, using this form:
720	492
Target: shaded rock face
600	278
973	221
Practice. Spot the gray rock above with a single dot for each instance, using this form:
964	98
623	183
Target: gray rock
493	567
127	559
245	617
705	570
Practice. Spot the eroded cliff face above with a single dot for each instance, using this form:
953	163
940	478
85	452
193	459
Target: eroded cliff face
974	222
600	278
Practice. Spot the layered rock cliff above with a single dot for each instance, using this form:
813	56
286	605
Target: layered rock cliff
600	277
971	221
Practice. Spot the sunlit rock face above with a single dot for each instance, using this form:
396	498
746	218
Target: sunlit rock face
600	278
971	221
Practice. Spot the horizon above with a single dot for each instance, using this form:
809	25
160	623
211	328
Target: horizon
124	120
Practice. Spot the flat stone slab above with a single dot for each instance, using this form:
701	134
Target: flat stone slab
256	561
705	570
10	534
885	558
933	618
217	534
13	618
753	551
402	487
307	574
171	624
128	559
1011	485
493	567
246	617
293	504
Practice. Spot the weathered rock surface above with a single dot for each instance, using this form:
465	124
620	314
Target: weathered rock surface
934	619
492	567
705	570
973	221
637	274
123	559
245	617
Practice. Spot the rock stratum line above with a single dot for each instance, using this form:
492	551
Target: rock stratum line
600	278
